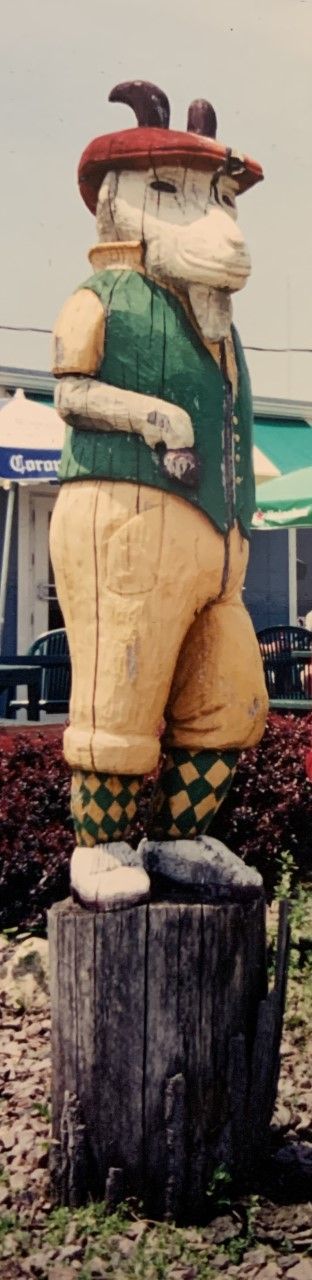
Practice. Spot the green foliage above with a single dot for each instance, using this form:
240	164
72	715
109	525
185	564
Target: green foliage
286	871
92	1220
236	1248
300	912
252	1213
42	1109
57	1225
159	1250
7	1223
299	896
218	1191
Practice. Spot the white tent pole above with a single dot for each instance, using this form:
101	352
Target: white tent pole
292	576
6	557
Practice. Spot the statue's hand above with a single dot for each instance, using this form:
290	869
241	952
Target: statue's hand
182	465
172	428
174	431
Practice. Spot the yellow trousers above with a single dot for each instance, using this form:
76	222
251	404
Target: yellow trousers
151	598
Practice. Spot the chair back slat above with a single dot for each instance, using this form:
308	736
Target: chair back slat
285	676
55	683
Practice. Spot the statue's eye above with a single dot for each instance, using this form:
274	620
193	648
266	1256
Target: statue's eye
158	185
227	200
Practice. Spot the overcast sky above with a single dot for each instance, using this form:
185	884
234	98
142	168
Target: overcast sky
251	58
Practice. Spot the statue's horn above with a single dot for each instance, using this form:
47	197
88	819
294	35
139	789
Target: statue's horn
202	118
149	103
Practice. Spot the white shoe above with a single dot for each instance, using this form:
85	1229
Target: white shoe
204	866
108	876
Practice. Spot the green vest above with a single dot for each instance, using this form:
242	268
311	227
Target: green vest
151	347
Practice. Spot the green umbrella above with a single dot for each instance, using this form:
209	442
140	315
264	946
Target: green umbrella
285	502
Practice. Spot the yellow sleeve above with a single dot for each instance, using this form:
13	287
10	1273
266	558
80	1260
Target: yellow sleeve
79	335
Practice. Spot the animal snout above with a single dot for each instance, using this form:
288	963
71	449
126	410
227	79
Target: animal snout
215	253
218	267
208	251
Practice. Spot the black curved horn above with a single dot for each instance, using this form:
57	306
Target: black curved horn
202	118
149	103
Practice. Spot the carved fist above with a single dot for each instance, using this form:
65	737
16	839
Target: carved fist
182	464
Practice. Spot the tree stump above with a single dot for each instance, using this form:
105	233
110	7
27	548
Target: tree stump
165	1050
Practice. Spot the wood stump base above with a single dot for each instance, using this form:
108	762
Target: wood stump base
165	1050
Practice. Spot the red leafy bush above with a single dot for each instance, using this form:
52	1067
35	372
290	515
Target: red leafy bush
308	763
36	837
268	811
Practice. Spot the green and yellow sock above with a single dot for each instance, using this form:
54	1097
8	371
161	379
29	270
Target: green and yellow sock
192	787
103	806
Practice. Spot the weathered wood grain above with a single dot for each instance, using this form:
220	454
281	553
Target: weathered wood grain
265	1055
114	1189
163	1042
165	1049
117	1112
283	942
238	1095
190	1015
73	1170
175	1125
62	933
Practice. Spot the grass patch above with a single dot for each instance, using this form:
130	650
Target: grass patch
42	1109
7	1223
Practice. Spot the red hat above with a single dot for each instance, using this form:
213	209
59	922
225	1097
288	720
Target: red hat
154	143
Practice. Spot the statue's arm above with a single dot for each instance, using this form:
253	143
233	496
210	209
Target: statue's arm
86	402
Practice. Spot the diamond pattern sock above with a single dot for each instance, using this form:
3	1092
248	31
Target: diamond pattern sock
102	806
192	787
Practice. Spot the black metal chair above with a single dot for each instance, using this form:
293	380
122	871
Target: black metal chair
287	672
55	677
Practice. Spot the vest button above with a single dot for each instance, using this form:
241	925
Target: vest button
235	420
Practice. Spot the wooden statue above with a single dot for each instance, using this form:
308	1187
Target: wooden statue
165	1039
149	535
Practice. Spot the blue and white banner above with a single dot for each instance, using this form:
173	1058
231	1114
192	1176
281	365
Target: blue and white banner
31	441
29	464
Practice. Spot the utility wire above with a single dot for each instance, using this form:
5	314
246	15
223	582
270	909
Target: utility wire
20	328
23	328
278	350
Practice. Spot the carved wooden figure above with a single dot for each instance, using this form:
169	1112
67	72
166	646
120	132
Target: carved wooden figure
149	535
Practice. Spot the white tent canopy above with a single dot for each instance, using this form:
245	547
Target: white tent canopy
31	440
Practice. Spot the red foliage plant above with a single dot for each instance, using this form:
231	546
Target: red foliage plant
268	811
308	763
36	837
